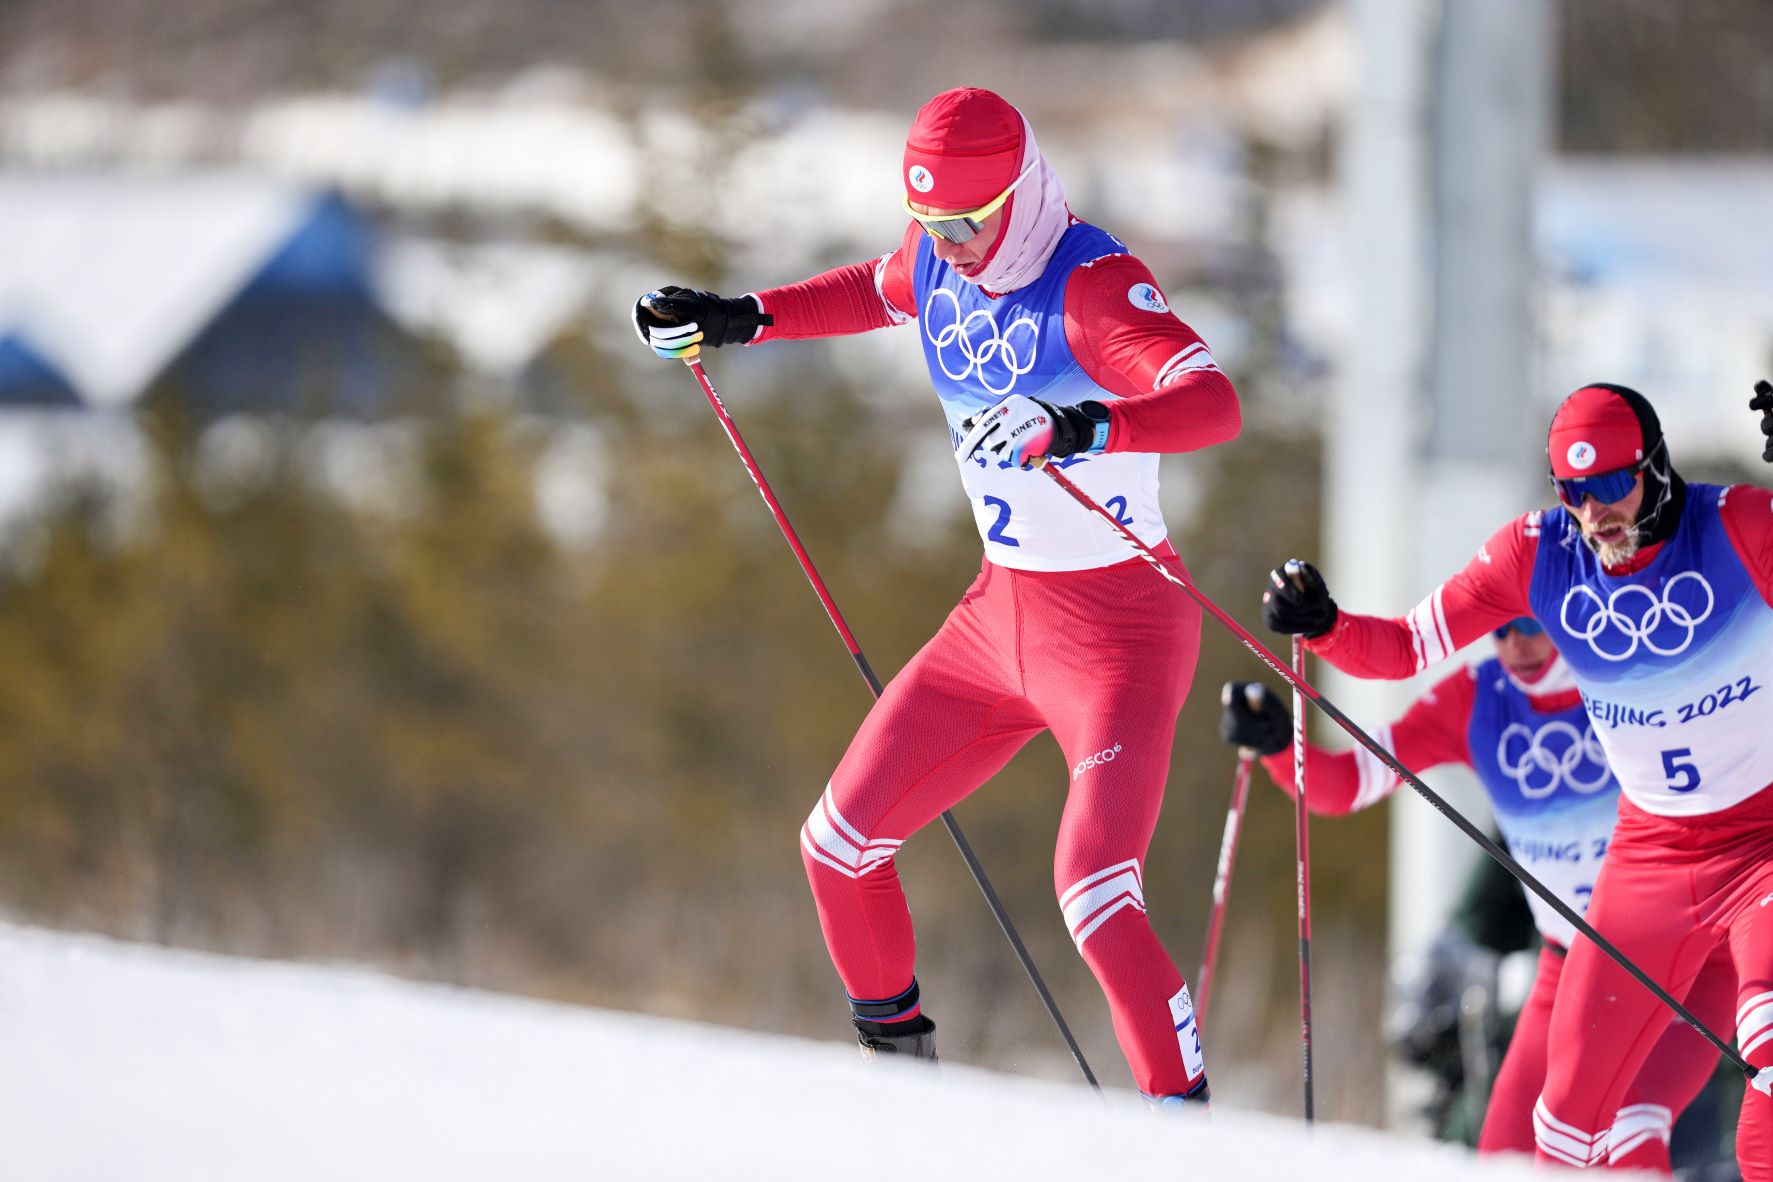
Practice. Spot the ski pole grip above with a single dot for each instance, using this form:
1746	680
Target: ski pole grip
1253	696
689	355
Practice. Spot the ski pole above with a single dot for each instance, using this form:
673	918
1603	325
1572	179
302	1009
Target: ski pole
1234	821
1302	842
1502	856
867	671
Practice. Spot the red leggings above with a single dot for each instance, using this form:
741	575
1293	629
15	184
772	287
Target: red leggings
1677	1069
1101	657
1669	893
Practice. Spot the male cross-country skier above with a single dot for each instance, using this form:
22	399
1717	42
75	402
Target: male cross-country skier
1517	720
1657	593
1046	341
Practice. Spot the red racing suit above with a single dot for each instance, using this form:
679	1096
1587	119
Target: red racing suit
1672	651
1063	630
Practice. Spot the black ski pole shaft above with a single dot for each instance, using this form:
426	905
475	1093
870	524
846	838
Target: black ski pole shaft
1302	844
843	629
1521	874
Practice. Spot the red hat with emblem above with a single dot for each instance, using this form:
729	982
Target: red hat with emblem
1596	430
964	148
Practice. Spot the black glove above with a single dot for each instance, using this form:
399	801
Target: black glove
1763	402
1080	428
671	320
1297	603
1255	718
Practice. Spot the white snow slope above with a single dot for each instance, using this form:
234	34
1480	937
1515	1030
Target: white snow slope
121	1061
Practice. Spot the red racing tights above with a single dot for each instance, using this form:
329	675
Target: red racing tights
1678	1067
1669	893
1101	657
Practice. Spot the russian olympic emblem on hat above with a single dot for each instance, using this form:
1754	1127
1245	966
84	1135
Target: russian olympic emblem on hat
1146	296
1581	455
921	178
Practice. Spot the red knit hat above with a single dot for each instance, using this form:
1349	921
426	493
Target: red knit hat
964	148
1596	430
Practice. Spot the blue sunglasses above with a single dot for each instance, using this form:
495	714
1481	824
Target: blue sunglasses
1525	625
1606	487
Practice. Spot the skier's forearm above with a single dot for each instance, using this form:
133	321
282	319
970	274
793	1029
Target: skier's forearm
1432	732
1332	779
1490	591
1369	646
1199	410
857	298
837	303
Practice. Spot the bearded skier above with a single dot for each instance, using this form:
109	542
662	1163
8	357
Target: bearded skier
1659	595
1516	719
1046	342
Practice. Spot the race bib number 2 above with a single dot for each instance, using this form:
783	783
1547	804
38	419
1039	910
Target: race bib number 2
998	531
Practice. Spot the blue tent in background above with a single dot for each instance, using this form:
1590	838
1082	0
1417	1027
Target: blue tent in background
304	334
26	379
227	292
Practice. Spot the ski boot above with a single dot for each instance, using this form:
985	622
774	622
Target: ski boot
911	1039
1195	1102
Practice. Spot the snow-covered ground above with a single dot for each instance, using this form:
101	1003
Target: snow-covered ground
127	1061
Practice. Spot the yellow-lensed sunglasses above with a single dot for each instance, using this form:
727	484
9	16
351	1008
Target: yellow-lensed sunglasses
959	227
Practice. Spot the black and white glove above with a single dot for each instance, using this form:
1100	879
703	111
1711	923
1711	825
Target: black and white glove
674	321
1255	718
1297	602
1763	402
1028	433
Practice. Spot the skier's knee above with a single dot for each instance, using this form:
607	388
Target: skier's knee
1093	899
1754	1028
829	840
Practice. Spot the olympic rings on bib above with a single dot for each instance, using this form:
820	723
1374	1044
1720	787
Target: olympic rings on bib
957	342
1602	618
1555	769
